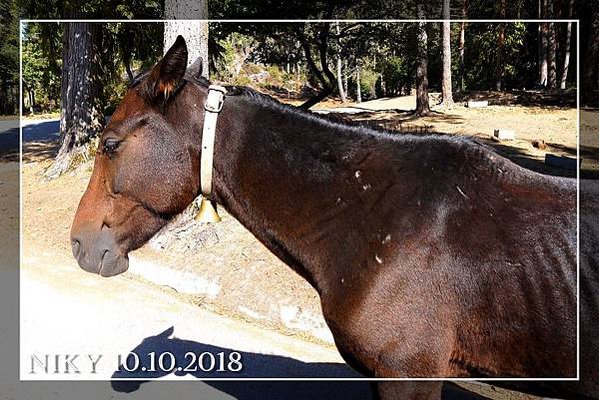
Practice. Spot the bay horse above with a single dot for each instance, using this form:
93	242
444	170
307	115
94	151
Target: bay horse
433	256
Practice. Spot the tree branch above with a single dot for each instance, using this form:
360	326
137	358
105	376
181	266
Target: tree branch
347	30
327	87
323	47
301	35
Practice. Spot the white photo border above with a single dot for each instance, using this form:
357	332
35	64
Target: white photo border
104	21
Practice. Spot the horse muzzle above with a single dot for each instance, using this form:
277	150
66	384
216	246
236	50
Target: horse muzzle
98	253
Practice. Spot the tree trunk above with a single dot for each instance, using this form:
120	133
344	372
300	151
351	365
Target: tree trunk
446	82
127	63
188	18
542	45
340	68
551	58
358	86
551	49
4	98
345	78
566	64
590	60
323	46
340	80
30	101
81	117
462	45
543	68
324	75
499	62
422	101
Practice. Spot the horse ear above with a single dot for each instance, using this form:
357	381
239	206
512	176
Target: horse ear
168	73
195	70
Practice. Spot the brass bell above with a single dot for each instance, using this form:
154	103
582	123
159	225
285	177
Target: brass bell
207	212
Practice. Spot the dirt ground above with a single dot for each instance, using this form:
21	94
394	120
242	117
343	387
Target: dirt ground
244	280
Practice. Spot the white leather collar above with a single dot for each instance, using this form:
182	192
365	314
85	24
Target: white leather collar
213	105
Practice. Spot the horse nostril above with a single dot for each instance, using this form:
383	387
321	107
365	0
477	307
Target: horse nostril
76	245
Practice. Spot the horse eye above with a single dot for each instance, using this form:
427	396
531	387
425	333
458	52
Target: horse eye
110	145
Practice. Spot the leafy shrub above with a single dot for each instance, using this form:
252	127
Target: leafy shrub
396	75
368	80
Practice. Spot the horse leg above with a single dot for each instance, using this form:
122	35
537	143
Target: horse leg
404	390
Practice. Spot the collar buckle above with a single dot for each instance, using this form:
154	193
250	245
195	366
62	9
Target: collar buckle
215	99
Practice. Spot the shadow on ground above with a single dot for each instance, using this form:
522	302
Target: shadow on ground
529	98
9	139
41	131
40	140
9	145
40	151
255	365
523	158
589	156
394	119
398	121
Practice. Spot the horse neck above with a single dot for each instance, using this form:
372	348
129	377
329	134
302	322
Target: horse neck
279	173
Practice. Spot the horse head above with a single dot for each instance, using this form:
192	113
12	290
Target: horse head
146	168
